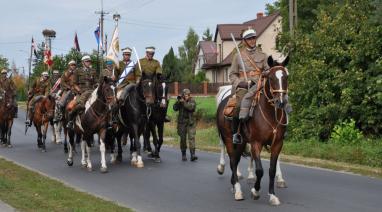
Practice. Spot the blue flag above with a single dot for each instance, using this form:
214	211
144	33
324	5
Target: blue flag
97	36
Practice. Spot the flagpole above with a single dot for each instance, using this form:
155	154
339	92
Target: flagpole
29	77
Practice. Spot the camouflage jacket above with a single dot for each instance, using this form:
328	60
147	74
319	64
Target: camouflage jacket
85	79
186	111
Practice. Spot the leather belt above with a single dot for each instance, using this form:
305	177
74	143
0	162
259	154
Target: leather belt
252	73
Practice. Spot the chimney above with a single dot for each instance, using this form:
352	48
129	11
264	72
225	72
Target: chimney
259	15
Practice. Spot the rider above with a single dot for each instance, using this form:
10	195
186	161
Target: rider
55	87
129	74
85	80
255	62
151	67
9	87
39	89
109	71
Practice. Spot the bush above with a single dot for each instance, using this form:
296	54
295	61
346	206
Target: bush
346	133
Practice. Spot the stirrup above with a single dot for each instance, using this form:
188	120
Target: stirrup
236	139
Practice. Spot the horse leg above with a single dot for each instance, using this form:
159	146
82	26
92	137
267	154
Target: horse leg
250	170
140	163
44	131
119	143
9	133
275	151
39	136
221	165
102	149
234	161
88	144
255	150
83	153
160	135
57	132
155	141
66	141
112	148
280	182
146	138
71	148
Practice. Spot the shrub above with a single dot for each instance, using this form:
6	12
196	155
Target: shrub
346	133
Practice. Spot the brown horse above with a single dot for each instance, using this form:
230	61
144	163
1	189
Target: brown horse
6	119
93	120
265	127
42	115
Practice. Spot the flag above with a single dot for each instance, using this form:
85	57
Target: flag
48	56
97	34
76	44
34	47
113	51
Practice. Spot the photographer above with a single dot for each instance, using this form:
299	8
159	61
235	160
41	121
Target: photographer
186	106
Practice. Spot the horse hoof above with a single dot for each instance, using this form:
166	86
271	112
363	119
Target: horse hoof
273	200
140	165
90	169
220	169
239	196
119	159
255	194
281	184
9	146
69	162
43	150
84	165
103	170
157	160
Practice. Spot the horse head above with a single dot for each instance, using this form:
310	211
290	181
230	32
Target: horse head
48	104
147	86
106	91
277	80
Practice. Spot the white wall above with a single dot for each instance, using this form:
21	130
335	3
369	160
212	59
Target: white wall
268	38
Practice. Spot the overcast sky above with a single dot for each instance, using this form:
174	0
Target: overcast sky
159	23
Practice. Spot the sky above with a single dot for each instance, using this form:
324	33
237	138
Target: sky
159	23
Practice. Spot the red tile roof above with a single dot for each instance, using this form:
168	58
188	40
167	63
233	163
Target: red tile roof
209	51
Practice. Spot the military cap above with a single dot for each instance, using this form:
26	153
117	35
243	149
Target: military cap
44	74
186	91
150	49
249	33
72	62
86	58
4	71
126	50
56	72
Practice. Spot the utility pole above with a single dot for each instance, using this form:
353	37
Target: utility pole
292	16
102	13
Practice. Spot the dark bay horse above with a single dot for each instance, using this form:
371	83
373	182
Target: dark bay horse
156	119
6	119
133	116
266	127
94	120
42	115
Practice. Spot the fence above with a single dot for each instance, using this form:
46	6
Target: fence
198	89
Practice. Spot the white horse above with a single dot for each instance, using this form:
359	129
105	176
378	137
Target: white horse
224	92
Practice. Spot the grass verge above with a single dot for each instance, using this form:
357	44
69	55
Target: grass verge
362	159
26	190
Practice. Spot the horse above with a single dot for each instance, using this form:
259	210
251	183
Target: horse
265	127
6	120
93	120
133	116
157	115
42	115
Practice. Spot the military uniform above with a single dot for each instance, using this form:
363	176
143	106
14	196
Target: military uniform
67	83
149	67
40	88
133	73
186	125
9	87
85	81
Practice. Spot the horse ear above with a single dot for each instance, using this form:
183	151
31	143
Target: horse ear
286	61
270	61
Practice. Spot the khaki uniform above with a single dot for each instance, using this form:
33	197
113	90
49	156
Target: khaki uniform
186	123
149	67
255	62
132	76
67	83
9	87
85	80
39	89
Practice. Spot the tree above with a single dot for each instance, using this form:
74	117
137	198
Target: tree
207	35
3	62
171	67
187	53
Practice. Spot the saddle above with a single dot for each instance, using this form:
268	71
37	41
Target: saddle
229	108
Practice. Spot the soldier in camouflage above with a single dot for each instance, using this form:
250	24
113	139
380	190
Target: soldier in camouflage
186	123
39	89
85	80
9	87
255	62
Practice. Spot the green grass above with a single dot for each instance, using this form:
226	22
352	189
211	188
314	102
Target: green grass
29	191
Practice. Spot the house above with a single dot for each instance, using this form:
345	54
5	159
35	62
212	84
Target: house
215	57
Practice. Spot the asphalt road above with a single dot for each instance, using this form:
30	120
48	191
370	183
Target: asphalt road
174	185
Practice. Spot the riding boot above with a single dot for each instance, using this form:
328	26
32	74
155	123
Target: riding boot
193	156
73	114
184	157
29	121
236	137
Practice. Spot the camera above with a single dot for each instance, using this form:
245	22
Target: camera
179	98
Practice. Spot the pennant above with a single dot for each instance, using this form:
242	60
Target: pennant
97	34
34	47
76	44
113	51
